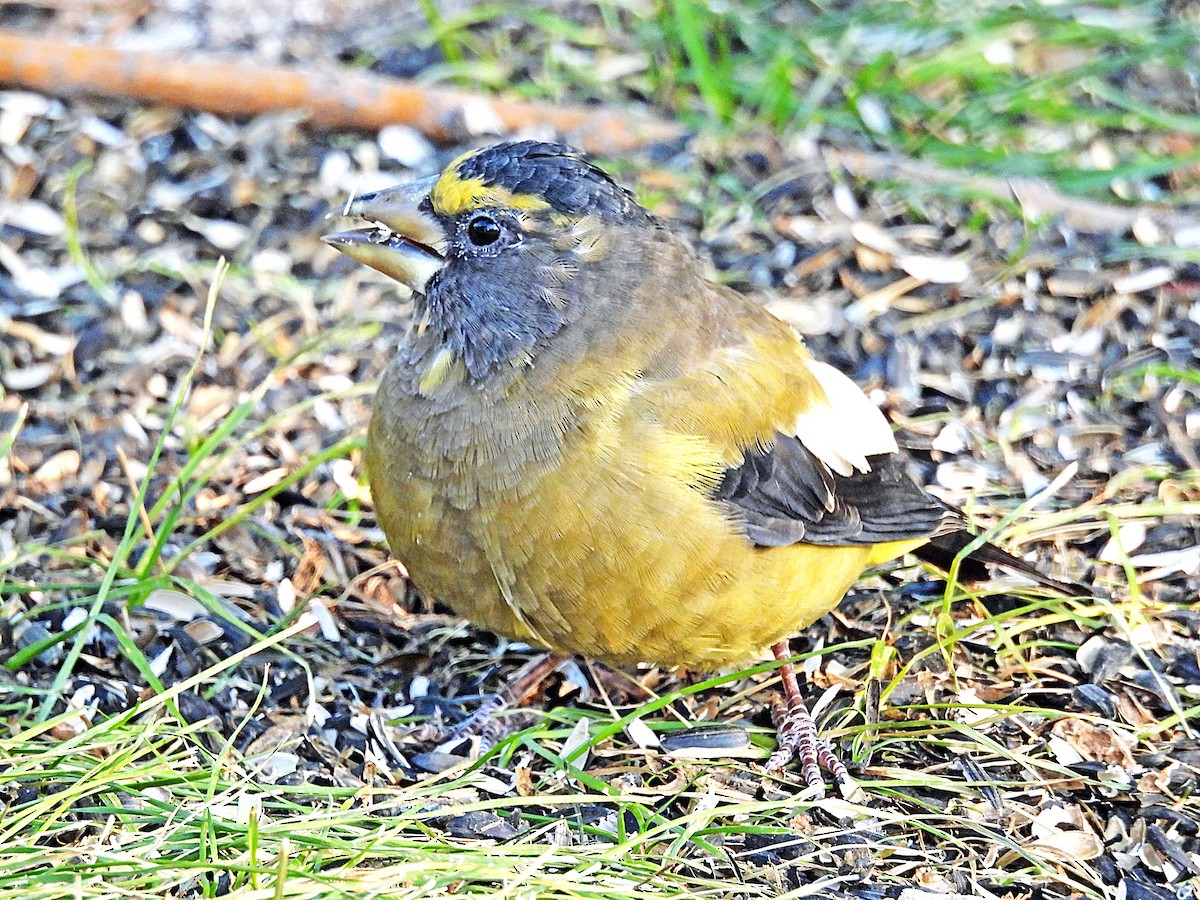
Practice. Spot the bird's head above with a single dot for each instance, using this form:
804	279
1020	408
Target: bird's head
507	247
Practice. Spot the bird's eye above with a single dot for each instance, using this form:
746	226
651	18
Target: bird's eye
483	230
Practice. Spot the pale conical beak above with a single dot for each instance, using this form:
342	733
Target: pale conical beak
407	247
396	256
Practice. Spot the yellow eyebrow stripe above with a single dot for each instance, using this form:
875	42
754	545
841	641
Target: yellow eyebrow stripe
453	194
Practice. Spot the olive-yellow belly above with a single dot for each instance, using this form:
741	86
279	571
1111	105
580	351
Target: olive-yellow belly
611	555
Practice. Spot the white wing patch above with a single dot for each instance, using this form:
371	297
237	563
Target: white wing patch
844	428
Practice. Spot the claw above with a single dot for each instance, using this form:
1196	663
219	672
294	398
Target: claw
483	723
798	738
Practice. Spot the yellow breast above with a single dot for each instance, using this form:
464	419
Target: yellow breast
611	552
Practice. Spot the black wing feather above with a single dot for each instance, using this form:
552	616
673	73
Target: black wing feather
784	494
943	548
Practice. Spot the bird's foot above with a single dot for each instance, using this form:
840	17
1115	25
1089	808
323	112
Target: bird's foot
797	739
485	723
797	736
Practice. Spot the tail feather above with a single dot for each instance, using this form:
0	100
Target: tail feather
942	550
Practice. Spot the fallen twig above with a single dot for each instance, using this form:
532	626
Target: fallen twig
333	98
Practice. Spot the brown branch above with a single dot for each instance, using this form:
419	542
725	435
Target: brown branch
335	98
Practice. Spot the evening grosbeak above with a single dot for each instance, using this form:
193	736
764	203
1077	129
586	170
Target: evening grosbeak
584	444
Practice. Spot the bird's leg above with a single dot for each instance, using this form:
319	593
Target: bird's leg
483	721
797	732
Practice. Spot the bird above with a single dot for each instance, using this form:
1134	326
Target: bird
584	444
